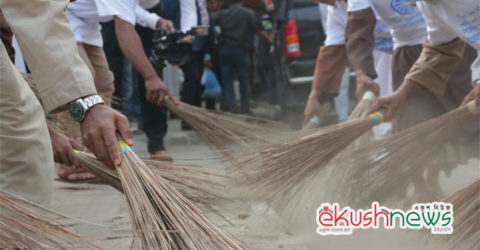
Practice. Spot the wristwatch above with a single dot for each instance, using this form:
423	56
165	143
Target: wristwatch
79	108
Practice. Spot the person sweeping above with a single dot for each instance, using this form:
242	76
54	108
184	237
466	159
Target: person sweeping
409	30
448	29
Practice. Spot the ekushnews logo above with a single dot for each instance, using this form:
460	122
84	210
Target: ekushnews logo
333	220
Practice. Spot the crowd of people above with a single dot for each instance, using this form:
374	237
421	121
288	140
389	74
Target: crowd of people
87	56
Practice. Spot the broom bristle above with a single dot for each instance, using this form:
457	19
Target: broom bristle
286	165
221	132
191	181
25	225
345	165
403	153
466	209
162	218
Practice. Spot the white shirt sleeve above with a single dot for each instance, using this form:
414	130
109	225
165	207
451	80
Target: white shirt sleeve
356	5
123	9
437	33
145	18
188	15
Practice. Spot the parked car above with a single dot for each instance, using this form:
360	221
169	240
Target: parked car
299	37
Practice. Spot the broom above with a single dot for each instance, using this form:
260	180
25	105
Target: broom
287	164
221	132
405	151
25	225
344	165
466	226
189	180
162	218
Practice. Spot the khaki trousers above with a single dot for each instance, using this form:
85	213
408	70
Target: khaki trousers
26	157
97	63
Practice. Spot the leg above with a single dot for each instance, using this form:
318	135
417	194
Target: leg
244	71
154	117
115	60
192	87
26	157
227	76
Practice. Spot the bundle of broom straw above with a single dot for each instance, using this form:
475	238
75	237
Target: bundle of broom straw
466	225
25	225
405	151
162	218
221	132
189	180
288	164
345	165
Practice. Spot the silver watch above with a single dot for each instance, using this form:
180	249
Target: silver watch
79	108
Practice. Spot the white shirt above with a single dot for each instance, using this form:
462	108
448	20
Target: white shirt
188	15
85	17
406	22
147	4
336	23
448	19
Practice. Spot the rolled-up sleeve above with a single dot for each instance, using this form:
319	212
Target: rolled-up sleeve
50	50
360	41
432	68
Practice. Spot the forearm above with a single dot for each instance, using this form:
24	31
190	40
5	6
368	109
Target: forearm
329	68
435	64
360	41
132	48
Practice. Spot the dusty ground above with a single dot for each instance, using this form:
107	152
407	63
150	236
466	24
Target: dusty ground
101	213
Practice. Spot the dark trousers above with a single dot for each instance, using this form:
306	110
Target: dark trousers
236	62
154	117
192	88
266	73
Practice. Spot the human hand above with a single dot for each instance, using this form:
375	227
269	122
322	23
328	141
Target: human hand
365	83
312	108
165	25
157	90
63	148
474	94
187	39
99	133
390	104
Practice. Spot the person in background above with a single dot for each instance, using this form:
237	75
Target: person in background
238	24
154	117
187	14
212	90
264	58
26	156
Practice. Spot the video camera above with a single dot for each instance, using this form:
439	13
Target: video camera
167	46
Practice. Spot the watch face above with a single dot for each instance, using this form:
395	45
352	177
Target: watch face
76	111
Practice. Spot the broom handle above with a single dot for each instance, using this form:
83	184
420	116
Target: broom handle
369	95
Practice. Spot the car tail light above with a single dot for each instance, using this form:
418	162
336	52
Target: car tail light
292	45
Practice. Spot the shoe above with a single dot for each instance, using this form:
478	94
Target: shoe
161	155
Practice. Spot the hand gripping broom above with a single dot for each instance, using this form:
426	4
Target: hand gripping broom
403	152
162	218
285	165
